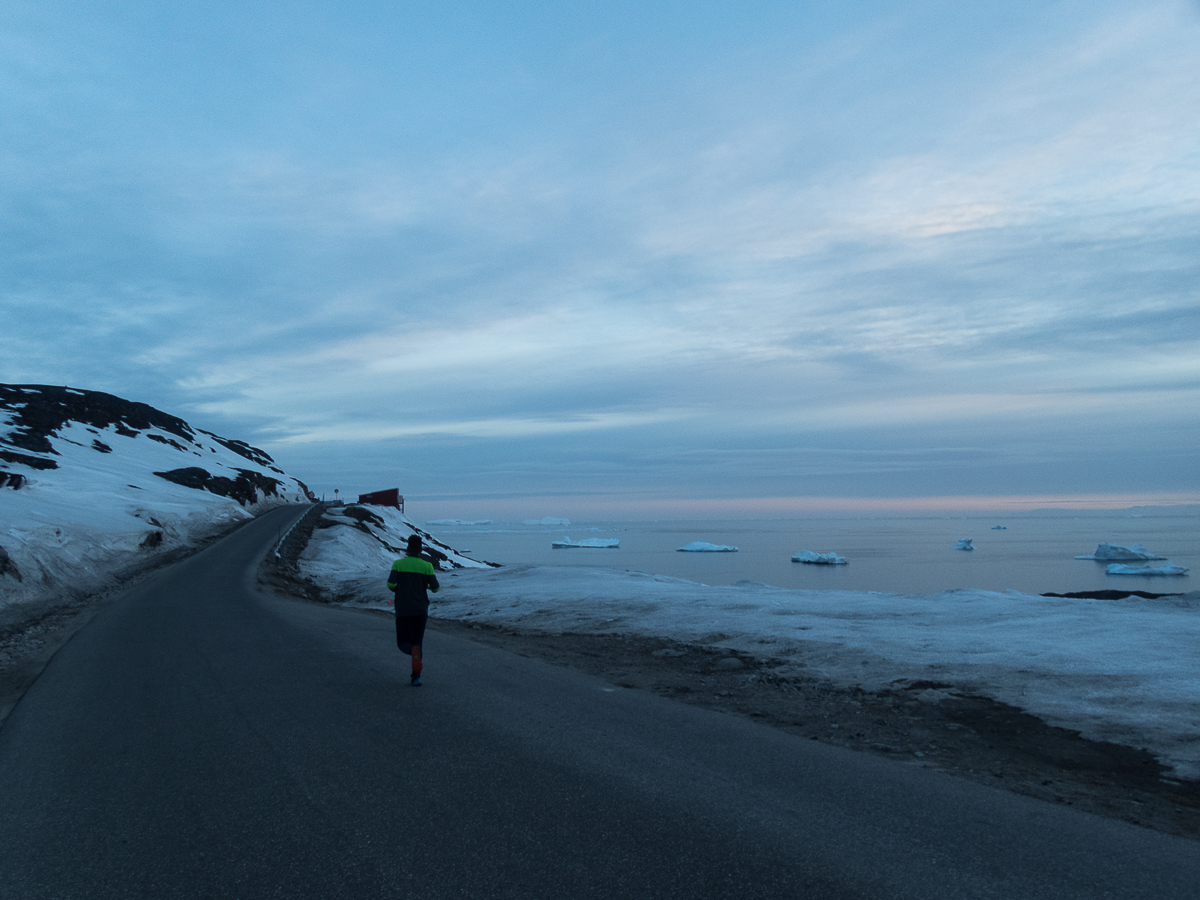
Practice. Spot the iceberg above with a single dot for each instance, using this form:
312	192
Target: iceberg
593	543
458	522
1169	569
1114	551
964	544
819	559
548	520
999	528
705	547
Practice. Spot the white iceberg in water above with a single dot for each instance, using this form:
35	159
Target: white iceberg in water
705	547
1169	569
548	520
819	559
1114	551
964	544
458	522
593	543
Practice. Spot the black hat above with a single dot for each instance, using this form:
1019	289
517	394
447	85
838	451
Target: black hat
414	544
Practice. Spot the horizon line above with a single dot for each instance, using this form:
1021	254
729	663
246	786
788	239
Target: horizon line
592	506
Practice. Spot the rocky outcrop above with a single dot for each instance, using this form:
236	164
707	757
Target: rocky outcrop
8	568
34	462
244	489
40	410
14	480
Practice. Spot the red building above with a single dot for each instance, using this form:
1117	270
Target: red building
383	498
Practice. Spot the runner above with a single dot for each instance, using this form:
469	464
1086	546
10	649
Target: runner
409	579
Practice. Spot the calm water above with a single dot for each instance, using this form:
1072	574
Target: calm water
906	555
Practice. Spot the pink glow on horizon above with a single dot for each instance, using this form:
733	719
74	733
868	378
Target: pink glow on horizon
626	508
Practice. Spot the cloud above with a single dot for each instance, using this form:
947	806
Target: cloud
584	260
366	431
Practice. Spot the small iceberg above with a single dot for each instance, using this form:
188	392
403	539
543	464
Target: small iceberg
548	520
705	547
964	544
1114	551
999	528
819	559
587	543
458	522
1169	569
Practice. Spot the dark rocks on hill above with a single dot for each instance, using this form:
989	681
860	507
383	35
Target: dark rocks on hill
39	410
7	566
34	462
151	540
244	489
362	515
161	440
14	480
191	476
241	448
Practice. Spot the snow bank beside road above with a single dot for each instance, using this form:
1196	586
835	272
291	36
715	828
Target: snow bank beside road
353	548
1126	671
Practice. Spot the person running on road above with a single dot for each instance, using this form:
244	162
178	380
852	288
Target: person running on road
409	579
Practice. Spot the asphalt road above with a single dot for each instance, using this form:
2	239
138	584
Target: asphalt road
200	739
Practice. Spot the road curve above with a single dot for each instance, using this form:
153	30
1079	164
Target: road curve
201	739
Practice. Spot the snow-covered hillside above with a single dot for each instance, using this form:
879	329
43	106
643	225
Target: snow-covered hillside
353	547
92	485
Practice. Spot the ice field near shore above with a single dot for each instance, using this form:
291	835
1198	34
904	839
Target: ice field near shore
1126	671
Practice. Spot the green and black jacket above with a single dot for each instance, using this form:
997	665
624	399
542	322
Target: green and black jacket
409	578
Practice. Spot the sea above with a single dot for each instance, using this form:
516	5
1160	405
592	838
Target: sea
1031	553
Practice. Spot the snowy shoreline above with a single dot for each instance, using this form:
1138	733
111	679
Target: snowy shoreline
1122	671
1125	671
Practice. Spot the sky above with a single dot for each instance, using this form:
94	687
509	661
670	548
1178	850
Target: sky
623	259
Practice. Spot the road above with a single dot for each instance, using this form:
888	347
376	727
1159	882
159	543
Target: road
201	739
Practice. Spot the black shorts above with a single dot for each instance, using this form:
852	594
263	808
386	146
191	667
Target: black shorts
410	631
